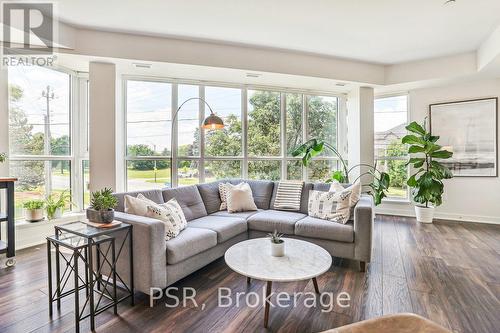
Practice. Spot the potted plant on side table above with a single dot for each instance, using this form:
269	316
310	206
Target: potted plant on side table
102	204
55	205
427	182
33	210
277	244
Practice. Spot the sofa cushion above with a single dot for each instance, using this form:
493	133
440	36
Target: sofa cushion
154	195
243	215
323	229
225	227
188	243
270	220
210	195
262	190
189	199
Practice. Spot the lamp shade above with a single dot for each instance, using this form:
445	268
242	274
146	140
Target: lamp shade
213	122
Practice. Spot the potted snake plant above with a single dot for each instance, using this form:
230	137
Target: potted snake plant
427	180
277	244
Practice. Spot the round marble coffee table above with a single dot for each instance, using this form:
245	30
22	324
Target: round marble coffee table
302	261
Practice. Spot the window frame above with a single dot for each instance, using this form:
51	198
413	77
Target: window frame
245	158
78	136
406	199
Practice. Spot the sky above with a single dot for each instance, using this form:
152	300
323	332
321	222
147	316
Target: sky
390	112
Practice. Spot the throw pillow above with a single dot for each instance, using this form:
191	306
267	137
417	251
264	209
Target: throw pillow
240	198
223	195
288	195
331	206
136	206
171	214
354	188
173	206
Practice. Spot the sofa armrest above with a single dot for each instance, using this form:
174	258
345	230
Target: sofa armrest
363	228
150	262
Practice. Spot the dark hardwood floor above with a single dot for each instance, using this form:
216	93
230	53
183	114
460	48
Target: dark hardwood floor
448	272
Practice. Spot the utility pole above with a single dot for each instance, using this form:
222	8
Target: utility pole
48	95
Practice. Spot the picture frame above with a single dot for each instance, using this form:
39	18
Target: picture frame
468	128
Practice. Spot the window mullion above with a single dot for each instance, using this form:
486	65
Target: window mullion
173	136
244	131
284	151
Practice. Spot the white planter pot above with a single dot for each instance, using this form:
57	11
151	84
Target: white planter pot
278	250
57	214
33	215
424	214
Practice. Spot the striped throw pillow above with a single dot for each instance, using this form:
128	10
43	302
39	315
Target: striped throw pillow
170	213
331	206
288	195
223	189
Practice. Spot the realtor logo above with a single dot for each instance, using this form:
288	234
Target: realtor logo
28	28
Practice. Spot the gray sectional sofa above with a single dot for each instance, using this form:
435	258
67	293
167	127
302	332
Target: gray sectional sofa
210	232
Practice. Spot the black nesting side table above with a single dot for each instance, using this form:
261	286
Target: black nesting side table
97	249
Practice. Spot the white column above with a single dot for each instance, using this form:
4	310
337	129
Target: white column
102	125
360	132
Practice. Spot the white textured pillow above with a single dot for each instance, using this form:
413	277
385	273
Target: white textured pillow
171	214
136	206
223	195
240	198
331	206
354	188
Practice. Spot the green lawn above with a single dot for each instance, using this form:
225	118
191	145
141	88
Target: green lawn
161	173
396	192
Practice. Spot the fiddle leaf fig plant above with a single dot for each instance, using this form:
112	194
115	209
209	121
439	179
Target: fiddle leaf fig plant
427	182
381	180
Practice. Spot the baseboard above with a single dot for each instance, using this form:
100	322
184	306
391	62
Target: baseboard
441	216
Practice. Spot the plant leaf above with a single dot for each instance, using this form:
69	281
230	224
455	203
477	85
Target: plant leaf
442	154
412	139
416	149
414	127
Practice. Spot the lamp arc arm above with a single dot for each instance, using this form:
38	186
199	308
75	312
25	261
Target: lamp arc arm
187	100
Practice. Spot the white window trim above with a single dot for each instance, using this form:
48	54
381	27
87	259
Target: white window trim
245	158
389	158
77	133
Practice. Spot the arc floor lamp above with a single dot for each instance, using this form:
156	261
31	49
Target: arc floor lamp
212	122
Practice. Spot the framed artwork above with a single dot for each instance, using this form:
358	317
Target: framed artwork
468	129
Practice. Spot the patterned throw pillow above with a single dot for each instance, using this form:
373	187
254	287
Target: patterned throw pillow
170	213
331	206
223	187
354	188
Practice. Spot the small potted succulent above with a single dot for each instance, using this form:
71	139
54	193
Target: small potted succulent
55	205
33	210
102	204
277	244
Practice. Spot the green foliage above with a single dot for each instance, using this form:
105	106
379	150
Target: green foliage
397	169
275	237
3	157
54	202
313	147
426	182
103	200
144	150
33	204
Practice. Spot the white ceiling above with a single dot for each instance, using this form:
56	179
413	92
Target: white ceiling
381	31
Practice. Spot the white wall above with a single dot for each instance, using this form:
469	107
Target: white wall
466	198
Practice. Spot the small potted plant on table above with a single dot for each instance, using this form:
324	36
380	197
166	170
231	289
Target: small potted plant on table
33	210
102	204
55	205
277	244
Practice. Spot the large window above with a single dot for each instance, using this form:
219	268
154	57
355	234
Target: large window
262	127
391	117
42	143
